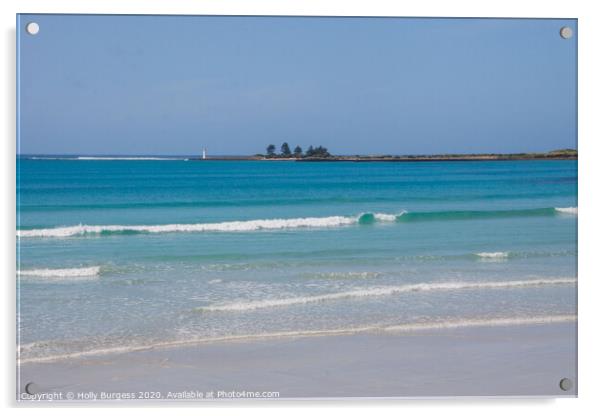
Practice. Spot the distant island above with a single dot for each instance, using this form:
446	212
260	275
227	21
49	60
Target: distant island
318	152
321	154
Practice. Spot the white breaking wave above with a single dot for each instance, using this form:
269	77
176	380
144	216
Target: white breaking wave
61	273
230	226
494	255
400	328
567	210
386	217
382	291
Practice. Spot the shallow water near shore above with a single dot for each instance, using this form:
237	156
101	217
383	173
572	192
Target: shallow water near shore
134	253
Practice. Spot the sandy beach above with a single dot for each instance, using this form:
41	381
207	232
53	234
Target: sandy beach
521	360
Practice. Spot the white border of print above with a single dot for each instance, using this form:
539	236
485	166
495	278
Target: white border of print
590	209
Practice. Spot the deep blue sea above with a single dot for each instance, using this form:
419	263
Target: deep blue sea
124	254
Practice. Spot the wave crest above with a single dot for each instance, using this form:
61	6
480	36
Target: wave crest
289	223
567	210
371	218
231	226
59	274
493	255
381	291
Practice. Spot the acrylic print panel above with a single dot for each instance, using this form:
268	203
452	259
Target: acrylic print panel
216	207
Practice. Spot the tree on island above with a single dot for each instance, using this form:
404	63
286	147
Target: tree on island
271	150
285	150
322	152
319	152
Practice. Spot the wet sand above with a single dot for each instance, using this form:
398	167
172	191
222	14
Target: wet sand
519	360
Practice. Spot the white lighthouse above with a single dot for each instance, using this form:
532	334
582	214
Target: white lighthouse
204	153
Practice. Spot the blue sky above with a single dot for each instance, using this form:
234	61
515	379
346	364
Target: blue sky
173	85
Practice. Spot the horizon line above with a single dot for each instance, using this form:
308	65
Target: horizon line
256	154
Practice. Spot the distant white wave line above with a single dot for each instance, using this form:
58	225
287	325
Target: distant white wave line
399	328
127	158
230	226
382	291
50	158
494	255
105	158
72	272
567	210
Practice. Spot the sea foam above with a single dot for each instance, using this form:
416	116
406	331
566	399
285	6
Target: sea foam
386	217
493	255
567	210
77	272
399	328
381	291
230	226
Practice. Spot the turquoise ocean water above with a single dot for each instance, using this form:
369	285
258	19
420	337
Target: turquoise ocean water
121	254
